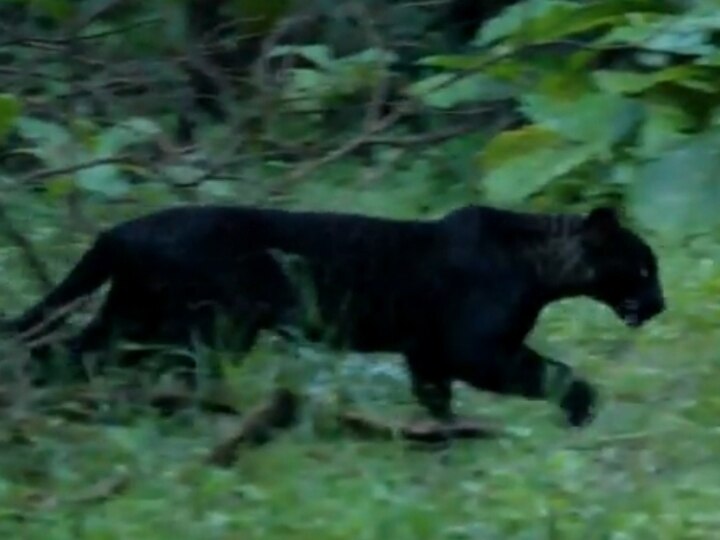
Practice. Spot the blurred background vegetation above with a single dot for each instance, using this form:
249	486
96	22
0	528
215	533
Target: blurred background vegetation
407	108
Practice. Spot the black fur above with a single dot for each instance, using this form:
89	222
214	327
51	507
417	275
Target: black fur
456	296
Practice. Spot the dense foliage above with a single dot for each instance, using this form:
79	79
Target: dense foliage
109	108
548	102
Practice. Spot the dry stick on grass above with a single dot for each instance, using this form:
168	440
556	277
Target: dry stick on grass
103	490
171	401
280	412
426	431
80	402
98	493
257	427
77	402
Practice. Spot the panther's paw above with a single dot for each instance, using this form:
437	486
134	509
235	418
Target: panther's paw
579	403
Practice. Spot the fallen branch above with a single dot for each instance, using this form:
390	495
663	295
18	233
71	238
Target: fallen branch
169	402
102	491
257	427
427	431
81	402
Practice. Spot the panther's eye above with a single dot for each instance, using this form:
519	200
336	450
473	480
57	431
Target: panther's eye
644	273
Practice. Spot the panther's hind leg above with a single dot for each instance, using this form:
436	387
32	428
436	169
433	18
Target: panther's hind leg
431	384
69	360
195	338
93	269
94	348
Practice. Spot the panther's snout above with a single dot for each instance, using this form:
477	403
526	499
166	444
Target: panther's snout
637	311
631	313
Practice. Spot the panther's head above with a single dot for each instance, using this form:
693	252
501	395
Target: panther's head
622	267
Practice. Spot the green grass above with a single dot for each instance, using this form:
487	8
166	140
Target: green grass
647	468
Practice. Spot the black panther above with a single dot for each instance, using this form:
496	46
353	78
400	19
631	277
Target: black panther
456	296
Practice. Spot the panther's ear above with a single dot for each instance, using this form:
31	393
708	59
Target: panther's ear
602	218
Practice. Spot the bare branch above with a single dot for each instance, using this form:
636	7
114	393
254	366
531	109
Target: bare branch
38	176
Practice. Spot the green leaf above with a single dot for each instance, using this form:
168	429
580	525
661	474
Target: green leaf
60	186
516	180
353	74
595	118
42	132
663	128
308	80
684	35
103	180
679	192
10	109
564	85
628	82
465	62
321	55
547	20
445	90
511	20
508	145
218	188
131	131
183	174
624	82
59	10
53	143
372	55
307	87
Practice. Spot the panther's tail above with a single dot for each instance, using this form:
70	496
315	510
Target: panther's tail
89	274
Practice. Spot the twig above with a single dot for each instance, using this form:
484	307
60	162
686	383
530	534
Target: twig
428	432
98	493
103	490
36	177
28	41
380	92
257	427
351	145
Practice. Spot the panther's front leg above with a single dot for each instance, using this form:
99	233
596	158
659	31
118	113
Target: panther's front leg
528	374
